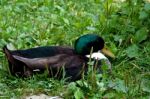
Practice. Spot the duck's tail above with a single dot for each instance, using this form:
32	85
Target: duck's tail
8	54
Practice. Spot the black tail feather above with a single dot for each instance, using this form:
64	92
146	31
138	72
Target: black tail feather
16	67
8	54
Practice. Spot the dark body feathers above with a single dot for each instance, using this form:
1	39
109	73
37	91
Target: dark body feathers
45	51
23	62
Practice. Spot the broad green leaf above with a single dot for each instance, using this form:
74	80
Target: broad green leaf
117	37
141	35
145	85
2	42
72	86
120	86
60	8
143	15
44	9
113	48
109	95
147	6
66	21
132	51
78	94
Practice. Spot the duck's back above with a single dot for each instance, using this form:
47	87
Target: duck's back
45	51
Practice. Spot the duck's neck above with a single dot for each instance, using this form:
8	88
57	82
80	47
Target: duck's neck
97	55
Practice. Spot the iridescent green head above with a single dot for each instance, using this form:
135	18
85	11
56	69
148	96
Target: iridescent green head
84	44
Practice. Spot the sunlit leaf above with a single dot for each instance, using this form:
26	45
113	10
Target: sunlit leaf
78	94
66	21
91	28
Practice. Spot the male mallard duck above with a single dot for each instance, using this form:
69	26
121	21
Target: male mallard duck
53	58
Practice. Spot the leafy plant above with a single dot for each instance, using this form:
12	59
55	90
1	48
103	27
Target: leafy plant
124	24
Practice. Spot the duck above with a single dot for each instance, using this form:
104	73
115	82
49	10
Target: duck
59	61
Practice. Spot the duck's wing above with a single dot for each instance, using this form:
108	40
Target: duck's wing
41	63
46	51
51	62
73	65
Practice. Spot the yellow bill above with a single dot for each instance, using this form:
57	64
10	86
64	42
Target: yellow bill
107	52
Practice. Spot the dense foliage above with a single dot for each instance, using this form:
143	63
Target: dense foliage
125	26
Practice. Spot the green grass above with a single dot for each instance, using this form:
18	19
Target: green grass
125	26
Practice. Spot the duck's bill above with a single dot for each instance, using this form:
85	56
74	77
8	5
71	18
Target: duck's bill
107	52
